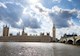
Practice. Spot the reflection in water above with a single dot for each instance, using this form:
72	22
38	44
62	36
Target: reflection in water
25	49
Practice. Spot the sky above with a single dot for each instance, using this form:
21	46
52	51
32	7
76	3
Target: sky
39	16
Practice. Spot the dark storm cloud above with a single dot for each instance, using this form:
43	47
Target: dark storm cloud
12	13
62	17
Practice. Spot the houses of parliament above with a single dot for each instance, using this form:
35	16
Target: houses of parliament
7	37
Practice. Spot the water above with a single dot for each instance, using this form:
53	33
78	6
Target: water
26	49
38	49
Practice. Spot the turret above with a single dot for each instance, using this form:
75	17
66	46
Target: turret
5	31
23	31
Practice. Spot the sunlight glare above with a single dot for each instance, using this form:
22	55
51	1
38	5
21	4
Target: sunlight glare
33	1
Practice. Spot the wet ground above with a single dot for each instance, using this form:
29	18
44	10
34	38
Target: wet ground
38	49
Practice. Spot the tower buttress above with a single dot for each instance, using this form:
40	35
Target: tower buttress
5	31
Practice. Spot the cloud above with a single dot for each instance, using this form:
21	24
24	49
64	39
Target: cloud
57	1
61	16
2	5
30	22
78	16
11	14
70	0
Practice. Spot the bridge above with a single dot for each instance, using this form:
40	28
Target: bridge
70	39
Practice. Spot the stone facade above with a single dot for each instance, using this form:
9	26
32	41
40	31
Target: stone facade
70	39
25	38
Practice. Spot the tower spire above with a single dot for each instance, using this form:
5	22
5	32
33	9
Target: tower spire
23	31
6	25
53	25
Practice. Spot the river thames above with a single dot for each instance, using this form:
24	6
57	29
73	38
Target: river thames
38	49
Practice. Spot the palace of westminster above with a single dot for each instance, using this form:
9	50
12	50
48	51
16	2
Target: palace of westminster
25	38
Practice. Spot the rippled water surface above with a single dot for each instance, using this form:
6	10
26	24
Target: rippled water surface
38	49
26	49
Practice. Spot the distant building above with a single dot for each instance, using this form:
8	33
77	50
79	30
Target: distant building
25	38
69	35
42	34
18	34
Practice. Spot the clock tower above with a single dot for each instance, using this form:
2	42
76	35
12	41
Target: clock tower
54	33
